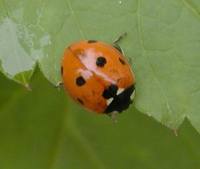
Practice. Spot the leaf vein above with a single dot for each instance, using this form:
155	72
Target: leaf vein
191	7
77	22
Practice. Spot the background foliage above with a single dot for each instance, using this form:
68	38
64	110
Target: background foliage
43	129
39	130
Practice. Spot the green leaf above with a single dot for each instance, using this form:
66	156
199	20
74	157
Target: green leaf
163	42
168	66
39	130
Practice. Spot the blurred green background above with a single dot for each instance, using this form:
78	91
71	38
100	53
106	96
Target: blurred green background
42	129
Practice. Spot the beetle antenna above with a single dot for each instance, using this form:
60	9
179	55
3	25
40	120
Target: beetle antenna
120	38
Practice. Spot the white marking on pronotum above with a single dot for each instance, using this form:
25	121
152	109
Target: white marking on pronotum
89	61
109	101
120	90
133	95
85	73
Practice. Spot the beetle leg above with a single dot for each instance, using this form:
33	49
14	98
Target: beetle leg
59	85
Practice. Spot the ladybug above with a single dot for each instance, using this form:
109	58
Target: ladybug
98	76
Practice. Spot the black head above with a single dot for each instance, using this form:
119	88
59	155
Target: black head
121	101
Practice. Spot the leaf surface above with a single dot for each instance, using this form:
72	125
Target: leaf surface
163	43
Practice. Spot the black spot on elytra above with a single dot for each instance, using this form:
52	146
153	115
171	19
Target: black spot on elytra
122	61
92	41
80	101
80	81
101	61
122	101
110	91
61	70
